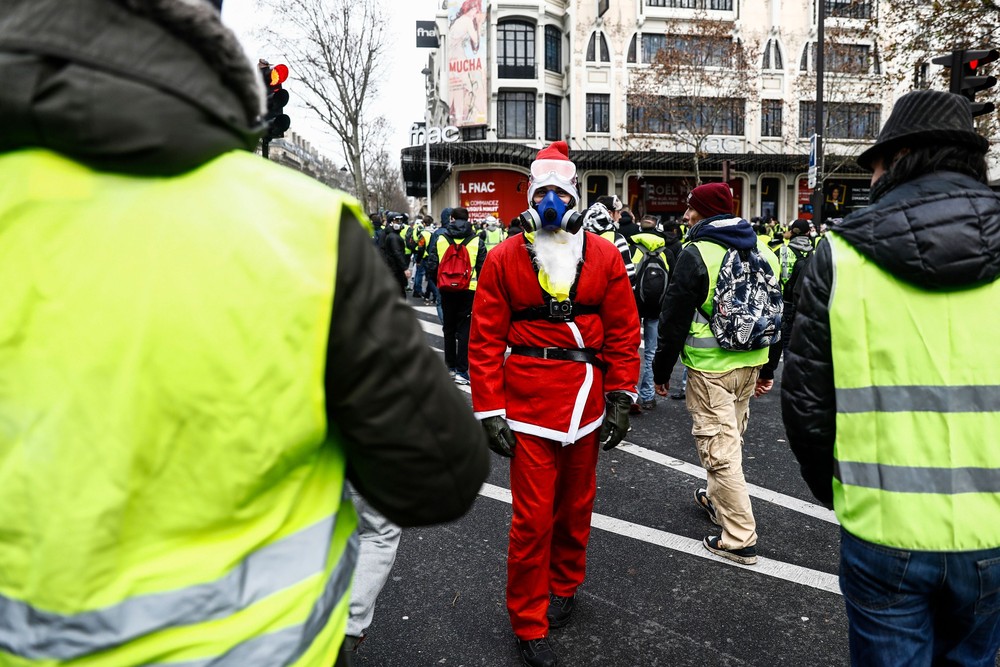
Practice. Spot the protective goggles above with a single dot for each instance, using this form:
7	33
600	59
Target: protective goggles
559	170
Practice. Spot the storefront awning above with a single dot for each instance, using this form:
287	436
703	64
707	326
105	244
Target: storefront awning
447	155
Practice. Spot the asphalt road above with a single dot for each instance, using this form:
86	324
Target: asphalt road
653	595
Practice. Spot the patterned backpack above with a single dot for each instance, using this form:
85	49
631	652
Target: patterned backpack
747	306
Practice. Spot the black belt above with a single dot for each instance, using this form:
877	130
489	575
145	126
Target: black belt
585	356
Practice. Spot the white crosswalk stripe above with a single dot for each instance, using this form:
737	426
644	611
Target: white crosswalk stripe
768	567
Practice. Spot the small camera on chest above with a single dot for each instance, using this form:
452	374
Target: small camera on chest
561	311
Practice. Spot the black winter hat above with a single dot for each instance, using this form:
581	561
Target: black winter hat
922	117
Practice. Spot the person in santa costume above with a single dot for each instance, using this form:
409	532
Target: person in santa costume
559	297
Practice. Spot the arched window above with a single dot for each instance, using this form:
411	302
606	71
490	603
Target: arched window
807	63
772	55
516	50
632	50
597	41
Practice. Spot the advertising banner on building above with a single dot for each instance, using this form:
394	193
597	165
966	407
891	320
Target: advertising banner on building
667	195
501	193
467	91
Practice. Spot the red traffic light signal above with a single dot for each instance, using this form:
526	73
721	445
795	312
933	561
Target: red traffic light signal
964	80
277	97
278	75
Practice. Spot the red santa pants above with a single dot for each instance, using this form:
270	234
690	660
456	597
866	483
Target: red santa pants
553	491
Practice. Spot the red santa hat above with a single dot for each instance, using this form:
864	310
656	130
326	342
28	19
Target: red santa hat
552	166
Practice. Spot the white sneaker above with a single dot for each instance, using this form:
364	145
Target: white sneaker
461	378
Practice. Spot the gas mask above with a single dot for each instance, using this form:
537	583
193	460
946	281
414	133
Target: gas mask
396	226
492	227
551	210
551	214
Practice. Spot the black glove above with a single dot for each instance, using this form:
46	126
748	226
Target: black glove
615	426
499	436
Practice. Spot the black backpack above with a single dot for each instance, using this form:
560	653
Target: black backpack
747	305
651	279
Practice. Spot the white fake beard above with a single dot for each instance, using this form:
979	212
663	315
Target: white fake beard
558	253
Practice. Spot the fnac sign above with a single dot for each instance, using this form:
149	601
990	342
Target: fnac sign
501	193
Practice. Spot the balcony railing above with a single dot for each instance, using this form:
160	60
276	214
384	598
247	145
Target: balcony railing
711	5
516	71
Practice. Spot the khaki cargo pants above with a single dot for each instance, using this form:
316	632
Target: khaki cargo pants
719	404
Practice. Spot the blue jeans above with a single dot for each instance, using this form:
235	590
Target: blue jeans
418	279
918	608
650	328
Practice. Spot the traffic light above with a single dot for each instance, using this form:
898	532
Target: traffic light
277	97
965	81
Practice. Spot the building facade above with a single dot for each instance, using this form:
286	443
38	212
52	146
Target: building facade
652	95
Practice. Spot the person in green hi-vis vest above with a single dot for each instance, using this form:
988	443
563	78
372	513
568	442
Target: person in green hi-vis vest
891	392
721	381
199	349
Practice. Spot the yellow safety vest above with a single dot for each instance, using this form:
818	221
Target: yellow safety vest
169	489
493	238
701	351
649	242
917	464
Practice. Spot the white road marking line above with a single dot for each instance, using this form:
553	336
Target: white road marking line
759	492
431	327
766	566
788	502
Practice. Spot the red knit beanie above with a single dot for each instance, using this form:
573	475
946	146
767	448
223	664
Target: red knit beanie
712	199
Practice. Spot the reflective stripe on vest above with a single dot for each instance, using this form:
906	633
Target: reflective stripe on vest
40	635
918	408
701	351
473	248
169	488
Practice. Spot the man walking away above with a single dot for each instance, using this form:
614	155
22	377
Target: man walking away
891	392
394	250
721	380
792	258
651	281
456	259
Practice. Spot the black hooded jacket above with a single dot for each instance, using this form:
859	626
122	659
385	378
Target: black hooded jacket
940	231
160	87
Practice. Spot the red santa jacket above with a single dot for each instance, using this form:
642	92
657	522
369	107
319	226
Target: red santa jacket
559	400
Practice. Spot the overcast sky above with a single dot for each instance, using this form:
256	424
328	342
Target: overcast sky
401	92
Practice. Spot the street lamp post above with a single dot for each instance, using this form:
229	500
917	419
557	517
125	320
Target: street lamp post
427	138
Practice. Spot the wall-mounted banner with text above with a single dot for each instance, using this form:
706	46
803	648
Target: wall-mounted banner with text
466	63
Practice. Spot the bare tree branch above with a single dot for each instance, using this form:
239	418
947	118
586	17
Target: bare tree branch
336	50
700	79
